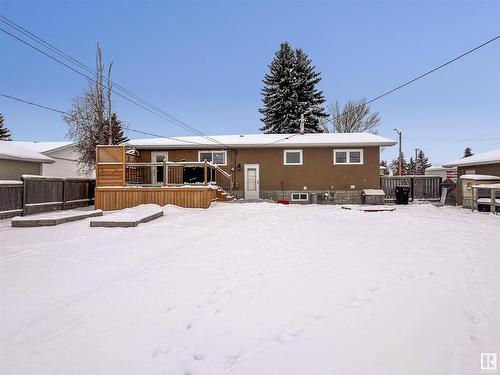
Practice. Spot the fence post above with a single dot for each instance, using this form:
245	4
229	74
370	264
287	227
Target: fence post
63	194
24	196
412	188
205	172
91	184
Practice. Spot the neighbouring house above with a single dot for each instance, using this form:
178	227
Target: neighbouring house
64	154
16	161
444	173
334	167
486	168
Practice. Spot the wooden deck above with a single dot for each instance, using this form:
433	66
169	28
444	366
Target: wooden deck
122	181
116	198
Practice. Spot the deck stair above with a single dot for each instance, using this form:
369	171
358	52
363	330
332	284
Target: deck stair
223	196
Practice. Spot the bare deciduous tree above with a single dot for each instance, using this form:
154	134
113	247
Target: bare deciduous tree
91	121
354	117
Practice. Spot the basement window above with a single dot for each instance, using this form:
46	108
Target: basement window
300	197
292	157
348	157
216	156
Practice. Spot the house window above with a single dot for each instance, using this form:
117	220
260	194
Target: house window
300	197
348	157
217	157
292	157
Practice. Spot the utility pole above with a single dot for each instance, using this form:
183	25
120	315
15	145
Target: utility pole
110	134
400	153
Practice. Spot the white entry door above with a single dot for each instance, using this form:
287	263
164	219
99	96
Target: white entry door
157	171
251	181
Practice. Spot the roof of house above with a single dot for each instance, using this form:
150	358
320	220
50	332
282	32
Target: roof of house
43	147
479	177
13	151
490	157
265	140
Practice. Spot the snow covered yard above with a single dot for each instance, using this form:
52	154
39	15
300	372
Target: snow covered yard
254	289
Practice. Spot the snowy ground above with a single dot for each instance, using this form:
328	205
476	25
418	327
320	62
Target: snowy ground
254	289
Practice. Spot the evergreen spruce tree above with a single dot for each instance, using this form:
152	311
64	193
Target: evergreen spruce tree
289	91
467	152
411	168
422	162
394	166
309	98
117	131
4	132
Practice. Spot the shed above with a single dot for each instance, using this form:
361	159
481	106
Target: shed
467	181
485	163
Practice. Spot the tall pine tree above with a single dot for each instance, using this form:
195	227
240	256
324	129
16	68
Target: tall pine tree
422	162
411	168
4	132
117	131
289	91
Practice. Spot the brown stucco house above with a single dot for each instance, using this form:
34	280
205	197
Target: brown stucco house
301	168
476	169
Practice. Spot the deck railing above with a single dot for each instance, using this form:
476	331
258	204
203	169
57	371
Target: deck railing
175	174
115	167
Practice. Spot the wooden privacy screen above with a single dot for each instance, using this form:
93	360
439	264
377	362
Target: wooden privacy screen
110	169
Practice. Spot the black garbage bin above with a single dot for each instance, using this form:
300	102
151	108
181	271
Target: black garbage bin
402	194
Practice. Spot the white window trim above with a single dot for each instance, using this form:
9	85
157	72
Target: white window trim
348	156
301	157
212	151
299	199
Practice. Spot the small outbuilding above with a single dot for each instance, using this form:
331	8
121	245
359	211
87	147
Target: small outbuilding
484	167
468	181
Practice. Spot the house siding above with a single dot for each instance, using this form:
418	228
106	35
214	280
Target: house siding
317	173
14	169
65	164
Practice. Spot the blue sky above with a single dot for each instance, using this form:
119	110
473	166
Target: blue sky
203	61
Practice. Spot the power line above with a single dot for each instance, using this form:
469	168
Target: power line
408	82
34	104
162	114
69	114
63	54
172	118
455	140
419	77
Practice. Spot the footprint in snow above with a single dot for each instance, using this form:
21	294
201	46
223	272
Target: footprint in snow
473	316
198	356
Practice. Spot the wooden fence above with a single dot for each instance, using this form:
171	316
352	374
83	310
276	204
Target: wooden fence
35	194
421	187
